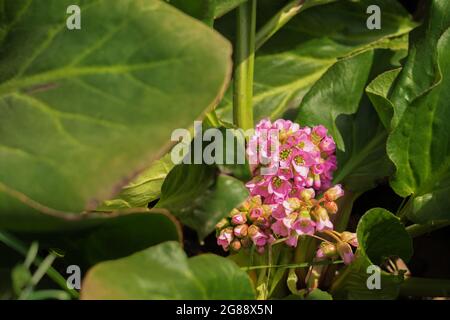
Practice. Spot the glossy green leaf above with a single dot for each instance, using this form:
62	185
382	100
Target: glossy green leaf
337	92
164	272
379	91
85	111
380	236
142	190
194	195
302	51
364	162
419	144
119	237
422	71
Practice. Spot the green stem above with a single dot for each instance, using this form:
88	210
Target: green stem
416	230
212	120
244	65
294	265
17	245
278	21
305	251
423	287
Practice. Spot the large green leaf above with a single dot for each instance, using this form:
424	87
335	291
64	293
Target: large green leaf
119	237
337	92
109	237
419	144
422	71
164	272
364	162
85	111
194	195
300	53
380	235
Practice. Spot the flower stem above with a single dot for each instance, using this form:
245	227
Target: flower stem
423	287
18	246
244	65
416	230
278	21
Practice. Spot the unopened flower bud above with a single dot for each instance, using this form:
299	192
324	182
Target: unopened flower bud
331	207
255	213
236	245
241	231
345	251
252	230
319	213
239	218
291	204
350	238
334	193
320	216
329	250
319	132
317	182
222	224
307	194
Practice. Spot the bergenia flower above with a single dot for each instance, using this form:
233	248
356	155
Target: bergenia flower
291	195
304	226
334	193
225	238
257	236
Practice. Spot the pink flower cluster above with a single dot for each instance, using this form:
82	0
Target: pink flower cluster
291	194
287	158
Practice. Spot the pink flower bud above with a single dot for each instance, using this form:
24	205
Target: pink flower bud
345	251
334	193
241	231
235	245
320	216
255	213
350	238
222	224
307	194
319	131
239	218
331	207
327	145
